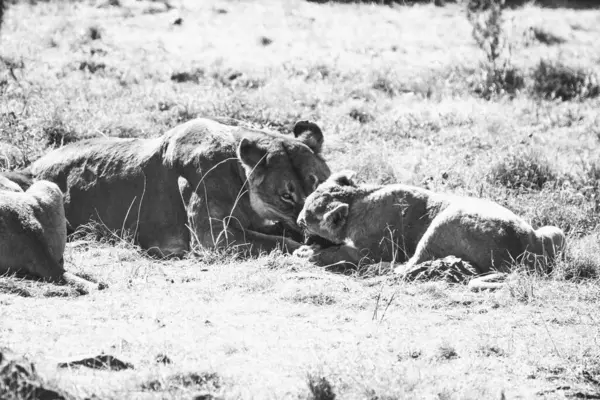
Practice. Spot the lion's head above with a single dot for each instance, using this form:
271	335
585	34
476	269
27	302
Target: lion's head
326	210
281	173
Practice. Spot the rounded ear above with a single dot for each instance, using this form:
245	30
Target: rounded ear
310	134
344	178
250	154
337	217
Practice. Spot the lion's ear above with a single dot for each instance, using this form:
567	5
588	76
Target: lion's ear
337	217
310	134
344	178
250	154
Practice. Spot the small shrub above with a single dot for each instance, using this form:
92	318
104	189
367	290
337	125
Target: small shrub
233	78
265	41
20	381
499	81
497	76
447	352
527	170
582	259
555	80
319	71
92	66
194	76
385	85
94	33
361	116
57	133
320	388
207	381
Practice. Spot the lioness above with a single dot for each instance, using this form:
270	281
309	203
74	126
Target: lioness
406	223
235	181
33	233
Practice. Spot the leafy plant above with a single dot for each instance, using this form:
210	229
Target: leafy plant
497	76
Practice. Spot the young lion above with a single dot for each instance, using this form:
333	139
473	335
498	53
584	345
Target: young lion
400	223
33	232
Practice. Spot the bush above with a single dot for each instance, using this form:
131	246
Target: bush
555	80
527	170
57	133
320	388
582	260
498	76
499	81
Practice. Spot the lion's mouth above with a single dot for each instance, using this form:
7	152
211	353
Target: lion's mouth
314	239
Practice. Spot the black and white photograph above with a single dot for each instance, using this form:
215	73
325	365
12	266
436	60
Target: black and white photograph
299	199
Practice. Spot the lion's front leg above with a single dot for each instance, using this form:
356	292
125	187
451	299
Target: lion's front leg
256	243
220	236
341	255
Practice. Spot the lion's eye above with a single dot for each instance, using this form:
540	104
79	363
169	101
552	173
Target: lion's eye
287	197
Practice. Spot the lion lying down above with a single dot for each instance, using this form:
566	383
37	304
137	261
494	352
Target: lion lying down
405	223
214	178
33	232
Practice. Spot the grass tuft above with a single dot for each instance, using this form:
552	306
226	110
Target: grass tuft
20	381
195	76
320	388
556	80
57	133
525	169
582	259
361	116
447	352
198	381
94	32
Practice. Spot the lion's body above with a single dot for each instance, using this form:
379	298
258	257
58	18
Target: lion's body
33	231
8	185
411	225
198	175
122	184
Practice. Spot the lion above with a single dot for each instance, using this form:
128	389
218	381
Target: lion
9	185
22	179
208	181
411	225
33	233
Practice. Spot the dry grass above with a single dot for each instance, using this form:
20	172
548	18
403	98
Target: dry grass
396	103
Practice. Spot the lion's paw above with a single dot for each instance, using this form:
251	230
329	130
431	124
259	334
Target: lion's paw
305	252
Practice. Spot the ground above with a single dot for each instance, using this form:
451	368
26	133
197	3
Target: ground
395	90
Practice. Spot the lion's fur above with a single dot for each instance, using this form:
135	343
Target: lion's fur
215	176
23	178
411	225
33	231
9	185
